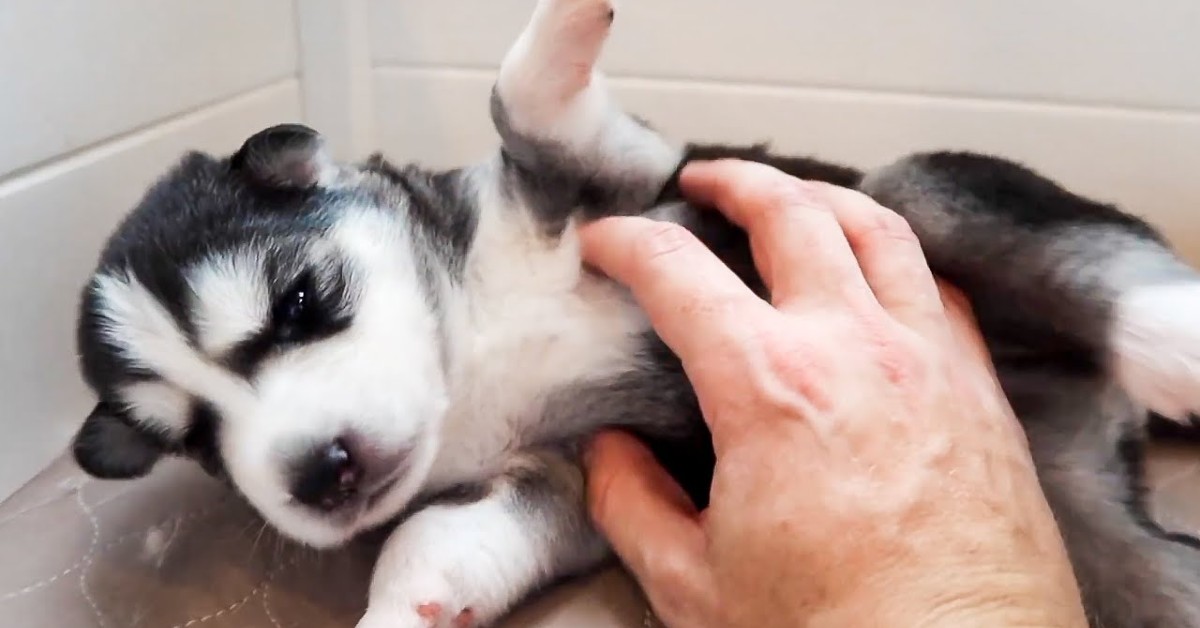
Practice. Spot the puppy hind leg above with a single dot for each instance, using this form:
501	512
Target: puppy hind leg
1101	281
1088	447
1155	343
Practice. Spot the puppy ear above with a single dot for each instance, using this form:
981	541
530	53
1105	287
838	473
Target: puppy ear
286	156
109	447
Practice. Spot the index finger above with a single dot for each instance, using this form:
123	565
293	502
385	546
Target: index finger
692	299
798	243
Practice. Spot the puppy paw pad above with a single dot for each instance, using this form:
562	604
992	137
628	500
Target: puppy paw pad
430	610
465	619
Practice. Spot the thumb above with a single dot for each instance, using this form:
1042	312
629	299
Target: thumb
645	515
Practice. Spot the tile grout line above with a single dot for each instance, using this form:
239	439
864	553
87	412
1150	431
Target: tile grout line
631	79
16	179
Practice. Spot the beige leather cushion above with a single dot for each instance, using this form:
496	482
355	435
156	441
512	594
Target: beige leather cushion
177	550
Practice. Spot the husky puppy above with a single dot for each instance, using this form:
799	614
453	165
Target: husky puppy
352	344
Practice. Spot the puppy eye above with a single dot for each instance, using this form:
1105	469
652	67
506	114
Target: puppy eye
294	314
292	306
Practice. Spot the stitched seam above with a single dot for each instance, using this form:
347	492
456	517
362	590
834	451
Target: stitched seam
39	584
266	604
87	559
11	517
179	519
78	484
45	502
129	488
262	586
228	609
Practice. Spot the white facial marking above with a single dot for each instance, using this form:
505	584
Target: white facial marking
158	405
231	300
380	379
145	333
525	322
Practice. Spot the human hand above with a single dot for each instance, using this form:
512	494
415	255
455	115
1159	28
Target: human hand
869	469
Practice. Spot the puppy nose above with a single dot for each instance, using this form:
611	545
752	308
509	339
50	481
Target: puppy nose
343	471
328	476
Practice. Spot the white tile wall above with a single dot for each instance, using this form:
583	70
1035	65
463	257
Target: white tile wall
1103	95
97	99
99	96
76	72
1100	51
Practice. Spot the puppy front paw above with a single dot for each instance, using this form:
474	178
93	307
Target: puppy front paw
419	615
434	572
466	560
422	599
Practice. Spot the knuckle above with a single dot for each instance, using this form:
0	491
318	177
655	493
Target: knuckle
672	574
663	239
715	306
784	192
882	221
835	193
902	359
794	380
900	365
956	301
676	607
888	225
901	355
761	187
855	196
599	497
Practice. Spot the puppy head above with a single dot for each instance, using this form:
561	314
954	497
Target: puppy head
273	316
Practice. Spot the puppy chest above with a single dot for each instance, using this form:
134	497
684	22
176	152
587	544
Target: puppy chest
523	349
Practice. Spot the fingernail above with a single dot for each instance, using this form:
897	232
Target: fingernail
813	193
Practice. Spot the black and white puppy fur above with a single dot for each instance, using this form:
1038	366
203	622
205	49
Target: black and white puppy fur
352	344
